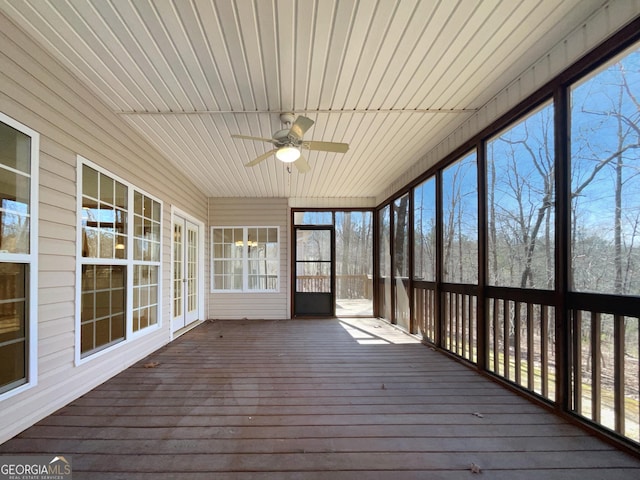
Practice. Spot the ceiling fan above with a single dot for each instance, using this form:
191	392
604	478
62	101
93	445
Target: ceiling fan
289	141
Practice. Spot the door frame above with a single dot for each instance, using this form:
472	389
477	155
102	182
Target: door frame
176	212
294	255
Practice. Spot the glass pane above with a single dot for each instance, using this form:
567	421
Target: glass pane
103	305
13	305
90	239
89	182
121	195
385	261
14	191
313	218
401	236
314	277
138	226
313	245
605	184
15	149
107	244
13	370
252	237
138	203
424	218
401	260
14	232
460	221
107	189
157	211
148	207
520	194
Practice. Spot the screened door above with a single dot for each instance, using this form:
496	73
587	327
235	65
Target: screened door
314	272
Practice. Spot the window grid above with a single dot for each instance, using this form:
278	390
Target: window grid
103	306
120	265
145	296
19	148
104	216
245	259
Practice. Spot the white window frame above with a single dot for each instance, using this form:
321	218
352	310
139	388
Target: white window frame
128	262
30	259
245	260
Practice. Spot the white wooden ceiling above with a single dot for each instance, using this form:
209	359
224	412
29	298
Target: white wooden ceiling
390	77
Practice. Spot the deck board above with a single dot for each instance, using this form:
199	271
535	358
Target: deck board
312	399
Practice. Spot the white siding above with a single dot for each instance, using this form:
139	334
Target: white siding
36	91
253	212
333	202
606	21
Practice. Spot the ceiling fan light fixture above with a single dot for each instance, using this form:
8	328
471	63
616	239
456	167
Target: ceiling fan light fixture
288	154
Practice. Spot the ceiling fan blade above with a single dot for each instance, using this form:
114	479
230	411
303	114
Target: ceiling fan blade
302	165
300	126
327	146
247	137
262	157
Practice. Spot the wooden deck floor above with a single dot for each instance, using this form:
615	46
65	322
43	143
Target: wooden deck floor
312	399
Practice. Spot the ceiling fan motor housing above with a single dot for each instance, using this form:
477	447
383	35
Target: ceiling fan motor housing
287	118
281	137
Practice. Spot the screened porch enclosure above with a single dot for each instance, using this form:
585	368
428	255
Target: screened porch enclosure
519	254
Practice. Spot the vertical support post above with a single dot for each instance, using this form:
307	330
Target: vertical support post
392	256
530	348
496	343
439	314
562	143
506	333
596	367
577	361
375	244
411	242
618	368
482	305
544	350
464	330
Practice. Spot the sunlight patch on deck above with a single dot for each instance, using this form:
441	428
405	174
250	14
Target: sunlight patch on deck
373	331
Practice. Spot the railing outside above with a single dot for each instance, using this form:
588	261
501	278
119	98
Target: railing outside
605	369
347	286
521	346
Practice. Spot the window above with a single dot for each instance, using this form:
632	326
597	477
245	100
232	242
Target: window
313	218
113	253
146	260
460	221
245	259
520	191
19	147
605	179
384	251
424	221
401	258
